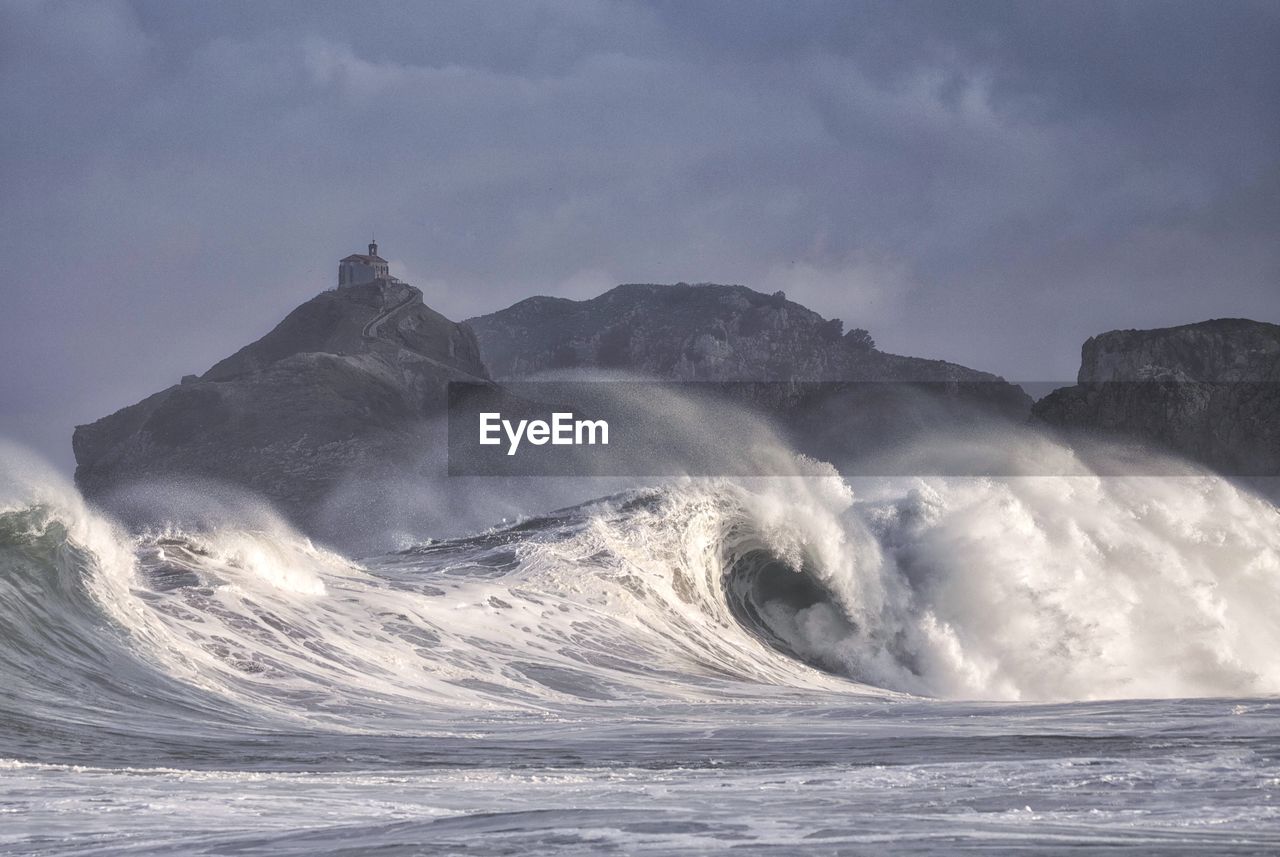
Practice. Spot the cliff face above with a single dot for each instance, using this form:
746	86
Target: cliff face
1208	391
703	333
344	381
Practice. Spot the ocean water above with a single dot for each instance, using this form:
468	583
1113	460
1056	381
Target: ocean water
816	665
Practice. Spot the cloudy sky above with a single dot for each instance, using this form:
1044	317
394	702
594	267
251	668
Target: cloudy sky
986	183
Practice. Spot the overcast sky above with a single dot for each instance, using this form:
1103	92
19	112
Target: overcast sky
985	183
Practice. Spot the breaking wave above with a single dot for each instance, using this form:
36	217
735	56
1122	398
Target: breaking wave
1030	588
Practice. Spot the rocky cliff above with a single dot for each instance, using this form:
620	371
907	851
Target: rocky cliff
701	332
343	383
833	394
1208	391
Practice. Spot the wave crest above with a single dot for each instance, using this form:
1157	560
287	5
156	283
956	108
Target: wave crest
1036	588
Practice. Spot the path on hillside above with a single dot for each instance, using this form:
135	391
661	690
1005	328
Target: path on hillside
371	329
375	325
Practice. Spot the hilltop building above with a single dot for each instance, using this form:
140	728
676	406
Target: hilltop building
360	268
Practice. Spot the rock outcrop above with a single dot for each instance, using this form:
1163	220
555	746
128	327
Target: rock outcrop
702	332
1208	391
344	382
825	388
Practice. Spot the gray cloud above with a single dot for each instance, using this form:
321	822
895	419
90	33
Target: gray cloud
986	182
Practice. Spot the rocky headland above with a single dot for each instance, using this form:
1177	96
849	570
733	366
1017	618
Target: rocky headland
704	332
1208	391
831	392
344	383
349	386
